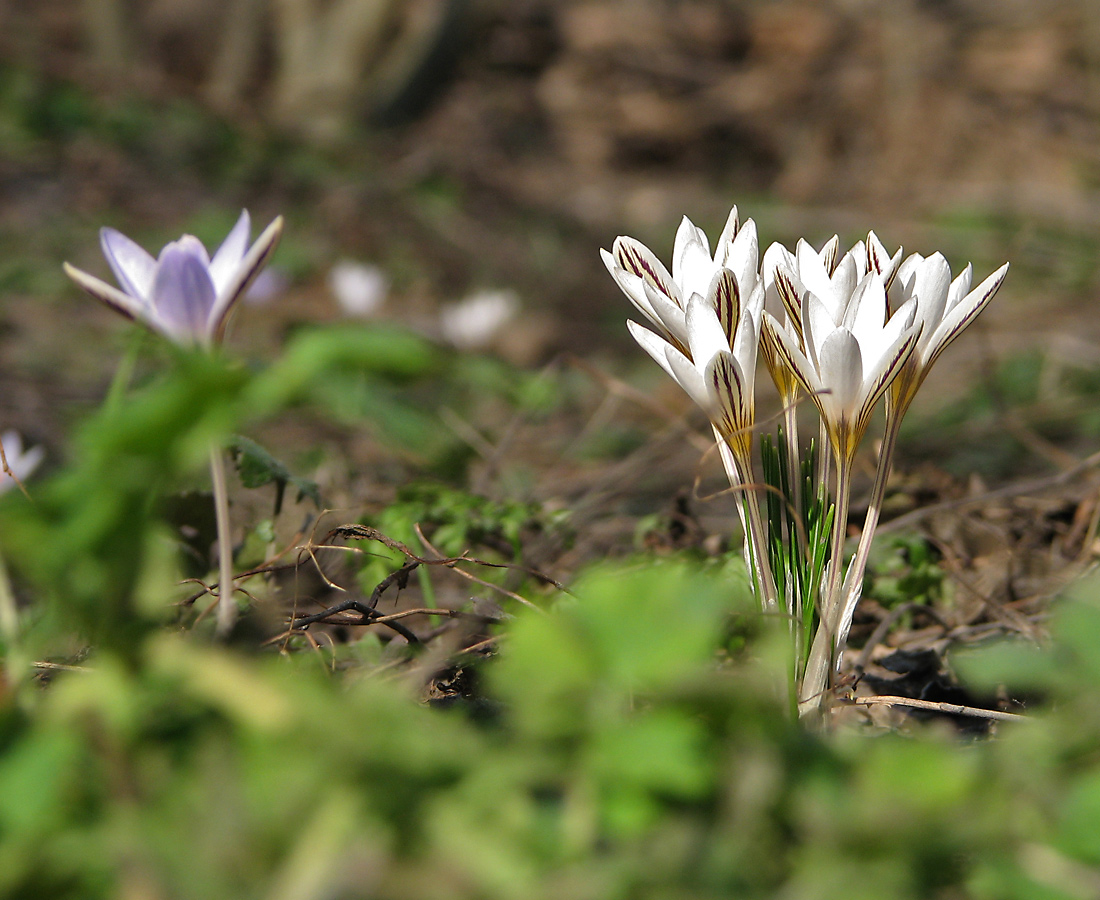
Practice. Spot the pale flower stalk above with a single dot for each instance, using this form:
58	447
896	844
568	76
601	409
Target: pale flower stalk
187	295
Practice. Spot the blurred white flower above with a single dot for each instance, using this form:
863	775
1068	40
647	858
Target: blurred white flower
268	285
21	462
472	323
185	294
360	288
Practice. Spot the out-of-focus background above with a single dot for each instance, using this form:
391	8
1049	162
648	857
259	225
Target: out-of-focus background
457	164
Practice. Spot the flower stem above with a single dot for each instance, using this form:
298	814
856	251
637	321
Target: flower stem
740	475
825	645
9	610
227	609
853	580
794	471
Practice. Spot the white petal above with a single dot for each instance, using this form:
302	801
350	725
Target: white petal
965	311
668	315
842	284
841	368
635	257
880	260
866	312
693	267
932	284
817	325
630	284
725	239
746	344
960	287
705	335
744	257
811	270
677	366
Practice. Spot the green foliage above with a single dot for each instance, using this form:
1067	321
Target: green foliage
257	468
799	525
903	569
625	759
627	754
456	522
85	540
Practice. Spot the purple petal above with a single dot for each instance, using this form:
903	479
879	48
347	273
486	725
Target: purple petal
183	293
129	306
133	267
227	258
242	276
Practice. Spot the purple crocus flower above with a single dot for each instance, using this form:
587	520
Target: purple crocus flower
185	294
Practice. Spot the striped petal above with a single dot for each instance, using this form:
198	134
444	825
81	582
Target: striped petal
637	259
724	298
965	311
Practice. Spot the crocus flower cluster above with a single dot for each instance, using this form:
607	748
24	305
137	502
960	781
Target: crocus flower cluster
846	329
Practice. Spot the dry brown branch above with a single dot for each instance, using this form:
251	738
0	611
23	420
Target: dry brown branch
948	708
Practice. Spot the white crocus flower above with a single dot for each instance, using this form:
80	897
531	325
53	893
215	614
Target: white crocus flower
663	297
718	371
185	294
943	307
705	317
852	352
19	463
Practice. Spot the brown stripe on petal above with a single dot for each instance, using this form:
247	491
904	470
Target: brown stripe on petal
829	254
792	302
994	285
727	302
635	258
874	260
735	423
792	366
902	354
